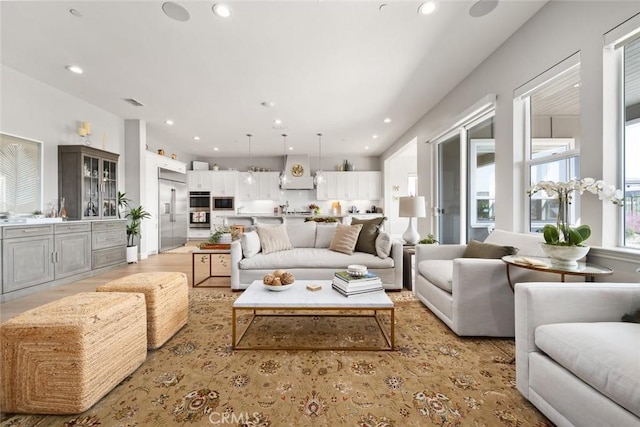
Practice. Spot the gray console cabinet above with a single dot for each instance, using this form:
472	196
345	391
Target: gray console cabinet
72	249
27	256
108	243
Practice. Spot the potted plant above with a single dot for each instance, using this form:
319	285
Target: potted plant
123	203
135	215
219	235
429	240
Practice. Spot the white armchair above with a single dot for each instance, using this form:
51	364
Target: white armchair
575	360
472	295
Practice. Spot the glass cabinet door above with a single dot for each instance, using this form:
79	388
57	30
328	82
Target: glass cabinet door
91	187
109	189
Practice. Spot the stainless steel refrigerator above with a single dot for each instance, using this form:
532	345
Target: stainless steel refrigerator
173	209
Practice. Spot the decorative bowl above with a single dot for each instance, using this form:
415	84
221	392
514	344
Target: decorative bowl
564	256
357	270
279	288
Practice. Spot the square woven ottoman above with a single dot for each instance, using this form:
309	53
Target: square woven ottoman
64	356
167	297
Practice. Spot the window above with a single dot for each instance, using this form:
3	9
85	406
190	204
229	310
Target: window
631	143
20	172
551	107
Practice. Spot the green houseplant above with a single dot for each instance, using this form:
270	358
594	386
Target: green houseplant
123	203
429	240
217	235
135	216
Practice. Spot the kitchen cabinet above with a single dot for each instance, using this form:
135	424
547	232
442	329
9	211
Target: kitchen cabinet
72	249
108	243
199	180
266	186
224	183
88	182
350	186
27	256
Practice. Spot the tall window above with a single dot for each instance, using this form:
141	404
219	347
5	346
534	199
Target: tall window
631	143
552	127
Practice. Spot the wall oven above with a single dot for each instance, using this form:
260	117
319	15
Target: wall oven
223	203
199	209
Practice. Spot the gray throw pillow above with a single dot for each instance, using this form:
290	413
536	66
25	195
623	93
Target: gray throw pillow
367	238
476	249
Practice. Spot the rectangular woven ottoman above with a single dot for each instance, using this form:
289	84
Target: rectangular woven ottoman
167	297
64	356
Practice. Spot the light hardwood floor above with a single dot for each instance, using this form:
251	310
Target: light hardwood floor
161	262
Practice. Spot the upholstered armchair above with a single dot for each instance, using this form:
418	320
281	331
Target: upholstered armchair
472	295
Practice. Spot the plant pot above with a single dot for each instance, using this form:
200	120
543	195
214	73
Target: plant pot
132	254
564	256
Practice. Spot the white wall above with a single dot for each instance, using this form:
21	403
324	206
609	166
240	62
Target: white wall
560	29
34	110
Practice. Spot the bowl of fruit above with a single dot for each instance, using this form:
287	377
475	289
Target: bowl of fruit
279	280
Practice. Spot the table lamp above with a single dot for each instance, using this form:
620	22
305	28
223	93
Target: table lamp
410	207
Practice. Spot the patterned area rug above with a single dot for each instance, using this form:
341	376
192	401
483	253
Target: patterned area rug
432	378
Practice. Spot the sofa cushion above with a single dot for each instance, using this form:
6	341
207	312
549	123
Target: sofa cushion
367	237
324	234
273	238
383	244
313	258
439	272
345	238
527	244
302	234
605	355
476	249
250	243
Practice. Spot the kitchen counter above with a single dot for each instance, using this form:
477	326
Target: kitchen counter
269	218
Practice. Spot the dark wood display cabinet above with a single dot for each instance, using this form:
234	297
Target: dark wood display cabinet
88	181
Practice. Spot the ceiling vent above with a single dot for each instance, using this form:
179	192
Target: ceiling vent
134	102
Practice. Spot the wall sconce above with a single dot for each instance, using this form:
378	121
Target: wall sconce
84	131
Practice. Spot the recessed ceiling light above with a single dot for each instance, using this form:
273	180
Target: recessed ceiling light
277	122
75	12
215	148
290	148
196	138
221	10
169	122
428	7
74	69
374	136
482	8
366	148
387	120
268	104
175	11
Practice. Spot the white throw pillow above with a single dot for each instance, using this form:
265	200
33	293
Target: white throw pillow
250	243
273	238
324	234
383	245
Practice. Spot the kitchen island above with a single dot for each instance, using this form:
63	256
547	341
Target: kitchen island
248	219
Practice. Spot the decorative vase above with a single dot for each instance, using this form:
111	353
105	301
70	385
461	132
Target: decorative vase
564	256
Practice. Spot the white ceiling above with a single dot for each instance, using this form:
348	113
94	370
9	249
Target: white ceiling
336	67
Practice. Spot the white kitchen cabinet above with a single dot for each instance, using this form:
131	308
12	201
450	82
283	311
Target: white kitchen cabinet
265	186
223	183
350	186
248	191
200	180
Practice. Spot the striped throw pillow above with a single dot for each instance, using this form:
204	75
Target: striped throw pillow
273	238
345	238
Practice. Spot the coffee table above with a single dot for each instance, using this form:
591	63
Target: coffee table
261	301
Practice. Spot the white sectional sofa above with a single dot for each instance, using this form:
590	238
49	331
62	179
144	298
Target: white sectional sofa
575	360
472	295
311	258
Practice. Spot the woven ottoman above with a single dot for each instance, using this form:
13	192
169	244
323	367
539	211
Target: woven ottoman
167	297
64	356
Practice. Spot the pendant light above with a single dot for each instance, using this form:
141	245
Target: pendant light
250	179
319	178
284	179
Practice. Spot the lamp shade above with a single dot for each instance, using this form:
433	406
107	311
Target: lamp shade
413	206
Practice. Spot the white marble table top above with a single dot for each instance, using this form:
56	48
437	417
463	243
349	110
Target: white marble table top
257	296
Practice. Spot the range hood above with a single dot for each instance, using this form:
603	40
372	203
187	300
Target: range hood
298	172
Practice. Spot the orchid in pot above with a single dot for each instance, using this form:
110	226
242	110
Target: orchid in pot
562	234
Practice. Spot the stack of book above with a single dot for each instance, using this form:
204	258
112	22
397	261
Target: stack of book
349	285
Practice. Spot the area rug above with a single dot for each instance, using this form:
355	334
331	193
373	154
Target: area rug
432	378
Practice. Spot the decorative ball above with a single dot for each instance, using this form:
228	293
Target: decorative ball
287	278
279	273
276	282
268	279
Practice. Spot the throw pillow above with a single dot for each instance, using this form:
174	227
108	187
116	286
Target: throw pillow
273	238
324	234
250	243
345	238
383	245
476	249
368	234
